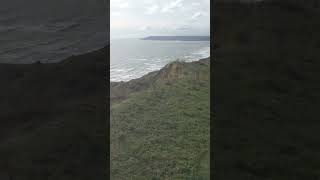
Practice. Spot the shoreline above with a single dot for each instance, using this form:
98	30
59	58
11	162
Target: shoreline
63	58
198	59
124	67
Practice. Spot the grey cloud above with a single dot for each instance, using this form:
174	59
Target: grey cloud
152	17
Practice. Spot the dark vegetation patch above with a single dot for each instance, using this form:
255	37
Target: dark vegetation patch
53	119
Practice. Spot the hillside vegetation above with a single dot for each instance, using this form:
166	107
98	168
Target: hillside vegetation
160	124
53	119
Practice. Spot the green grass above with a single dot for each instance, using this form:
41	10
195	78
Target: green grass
163	131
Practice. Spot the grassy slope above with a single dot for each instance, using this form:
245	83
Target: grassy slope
52	119
161	131
267	94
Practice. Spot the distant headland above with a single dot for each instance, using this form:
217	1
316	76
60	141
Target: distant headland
178	38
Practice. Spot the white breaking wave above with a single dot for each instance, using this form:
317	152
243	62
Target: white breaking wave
142	66
200	54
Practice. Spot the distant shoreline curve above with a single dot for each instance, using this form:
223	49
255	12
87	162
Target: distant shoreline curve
177	38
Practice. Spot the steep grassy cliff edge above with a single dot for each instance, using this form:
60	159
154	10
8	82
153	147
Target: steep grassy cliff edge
160	124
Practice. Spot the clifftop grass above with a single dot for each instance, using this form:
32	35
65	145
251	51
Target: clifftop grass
162	129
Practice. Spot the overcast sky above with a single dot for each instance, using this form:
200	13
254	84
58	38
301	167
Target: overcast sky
139	18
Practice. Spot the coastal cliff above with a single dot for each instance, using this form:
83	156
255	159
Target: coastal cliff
54	122
160	124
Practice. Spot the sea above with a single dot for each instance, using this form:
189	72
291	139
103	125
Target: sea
51	30
132	58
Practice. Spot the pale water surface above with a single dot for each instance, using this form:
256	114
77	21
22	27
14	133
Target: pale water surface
133	58
51	30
